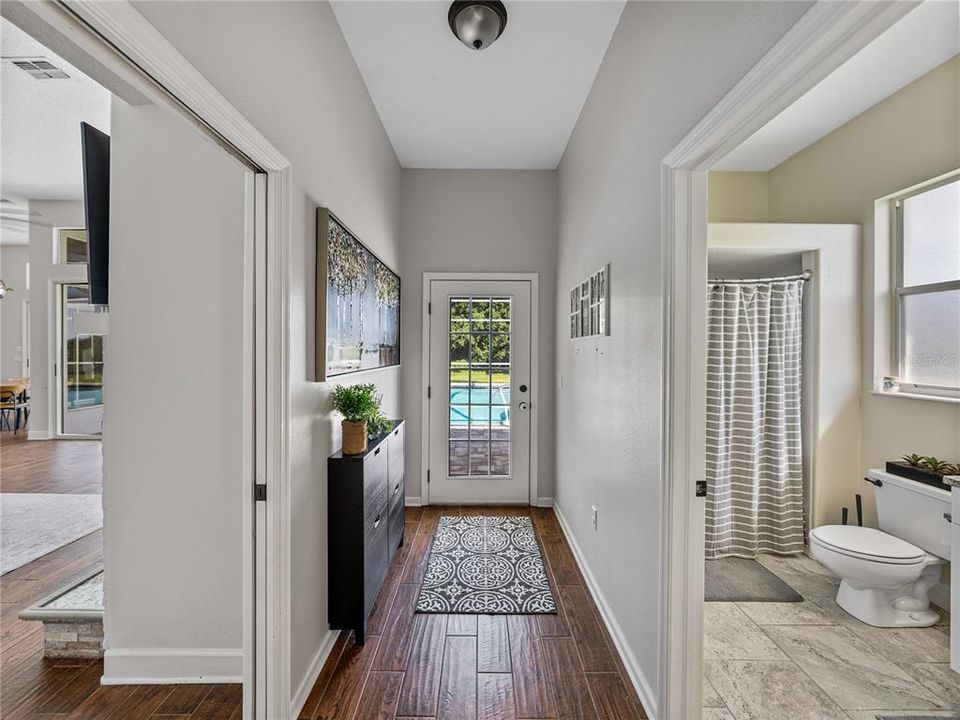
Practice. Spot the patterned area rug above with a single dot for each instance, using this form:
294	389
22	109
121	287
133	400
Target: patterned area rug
485	565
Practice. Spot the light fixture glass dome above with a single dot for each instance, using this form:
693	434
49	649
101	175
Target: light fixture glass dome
477	23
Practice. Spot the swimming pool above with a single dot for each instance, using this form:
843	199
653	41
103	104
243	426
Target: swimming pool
479	404
82	397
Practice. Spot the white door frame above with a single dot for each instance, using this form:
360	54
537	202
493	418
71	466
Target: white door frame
823	39
534	280
120	39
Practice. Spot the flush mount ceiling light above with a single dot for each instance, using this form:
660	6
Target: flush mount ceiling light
477	23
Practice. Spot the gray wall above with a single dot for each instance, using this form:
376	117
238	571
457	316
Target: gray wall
172	489
667	65
477	221
13	270
287	68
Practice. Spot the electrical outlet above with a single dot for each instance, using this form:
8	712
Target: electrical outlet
594	516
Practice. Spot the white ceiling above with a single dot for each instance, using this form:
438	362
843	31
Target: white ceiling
512	105
925	38
40	124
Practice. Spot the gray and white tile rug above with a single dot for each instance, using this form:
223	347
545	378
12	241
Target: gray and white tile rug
485	565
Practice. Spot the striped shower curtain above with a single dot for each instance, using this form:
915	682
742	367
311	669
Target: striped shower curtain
754	453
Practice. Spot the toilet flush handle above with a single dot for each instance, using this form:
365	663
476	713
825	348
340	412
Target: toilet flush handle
948	517
878	483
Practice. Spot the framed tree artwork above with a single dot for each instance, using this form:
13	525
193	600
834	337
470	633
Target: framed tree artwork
358	304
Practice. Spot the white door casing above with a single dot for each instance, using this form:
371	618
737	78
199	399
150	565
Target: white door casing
480	391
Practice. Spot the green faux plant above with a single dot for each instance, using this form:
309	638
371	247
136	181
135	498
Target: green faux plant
912	459
361	403
938	466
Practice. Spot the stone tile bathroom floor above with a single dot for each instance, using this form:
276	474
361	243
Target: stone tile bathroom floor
806	660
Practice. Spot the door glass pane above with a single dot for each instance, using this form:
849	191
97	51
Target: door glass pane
931	327
931	236
479	402
82	360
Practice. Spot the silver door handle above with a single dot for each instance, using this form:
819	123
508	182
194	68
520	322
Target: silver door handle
524	406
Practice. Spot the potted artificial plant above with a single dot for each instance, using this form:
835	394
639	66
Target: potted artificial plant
925	469
360	407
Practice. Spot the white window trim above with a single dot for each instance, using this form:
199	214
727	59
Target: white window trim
888	337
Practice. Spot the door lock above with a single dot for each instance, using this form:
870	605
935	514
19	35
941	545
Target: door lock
524	406
523	388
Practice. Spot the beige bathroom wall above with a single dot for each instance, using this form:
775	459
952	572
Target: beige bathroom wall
738	197
909	137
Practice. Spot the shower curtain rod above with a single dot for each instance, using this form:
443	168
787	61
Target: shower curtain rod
805	275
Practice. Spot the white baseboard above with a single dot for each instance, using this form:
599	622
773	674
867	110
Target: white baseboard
38	435
544	502
313	672
167	666
413	502
637	677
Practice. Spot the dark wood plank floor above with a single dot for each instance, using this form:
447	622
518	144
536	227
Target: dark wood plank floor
49	466
469	667
32	686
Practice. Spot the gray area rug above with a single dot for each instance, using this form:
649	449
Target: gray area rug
744	580
34	524
485	565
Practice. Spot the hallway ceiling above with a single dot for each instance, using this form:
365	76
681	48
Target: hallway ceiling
512	106
40	148
925	38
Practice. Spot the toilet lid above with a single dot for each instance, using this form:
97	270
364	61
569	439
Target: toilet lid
867	543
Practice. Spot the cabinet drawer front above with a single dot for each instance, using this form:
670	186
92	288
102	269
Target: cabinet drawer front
396	525
396	491
395	443
376	557
375	473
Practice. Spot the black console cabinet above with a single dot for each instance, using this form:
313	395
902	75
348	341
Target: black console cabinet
364	526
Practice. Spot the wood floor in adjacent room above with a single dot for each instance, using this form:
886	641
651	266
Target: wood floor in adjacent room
484	667
33	687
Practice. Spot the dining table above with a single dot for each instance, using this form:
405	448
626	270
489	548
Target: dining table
20	387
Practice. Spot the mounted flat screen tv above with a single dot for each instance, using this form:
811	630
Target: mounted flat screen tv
96	205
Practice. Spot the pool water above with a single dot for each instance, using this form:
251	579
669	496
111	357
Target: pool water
84	397
480	405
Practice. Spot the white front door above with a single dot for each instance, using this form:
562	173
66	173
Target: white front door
480	391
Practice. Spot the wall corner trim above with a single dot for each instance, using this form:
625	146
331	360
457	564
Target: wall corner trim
38	435
309	679
413	502
544	502
172	666
639	680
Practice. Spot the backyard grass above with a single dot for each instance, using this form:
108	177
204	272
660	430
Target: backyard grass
463	376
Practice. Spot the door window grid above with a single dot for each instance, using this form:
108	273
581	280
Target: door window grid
479	386
82	355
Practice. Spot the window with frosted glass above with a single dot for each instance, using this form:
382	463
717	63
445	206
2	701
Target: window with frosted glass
928	287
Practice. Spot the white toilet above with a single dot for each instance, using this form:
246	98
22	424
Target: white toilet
886	574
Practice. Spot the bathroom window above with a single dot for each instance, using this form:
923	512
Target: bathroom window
927	262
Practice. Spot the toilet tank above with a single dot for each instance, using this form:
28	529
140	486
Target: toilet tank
914	512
